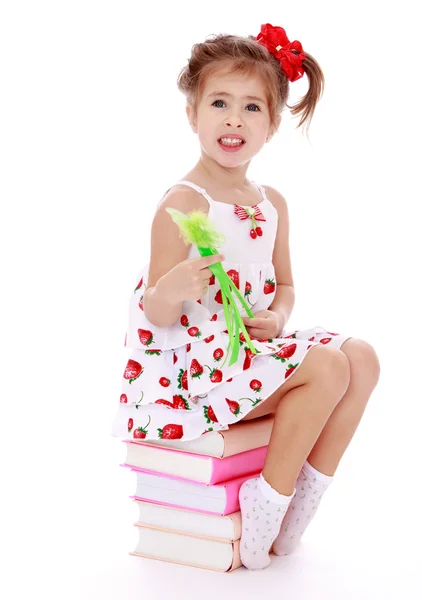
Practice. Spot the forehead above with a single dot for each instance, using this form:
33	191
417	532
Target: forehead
235	84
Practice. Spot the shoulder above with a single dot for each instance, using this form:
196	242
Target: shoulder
279	202
276	198
183	198
168	247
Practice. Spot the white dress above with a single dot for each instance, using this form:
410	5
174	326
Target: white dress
172	385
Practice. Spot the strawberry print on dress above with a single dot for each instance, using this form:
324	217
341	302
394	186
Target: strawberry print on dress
173	385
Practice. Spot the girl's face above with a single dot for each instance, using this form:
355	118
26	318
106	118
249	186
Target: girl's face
232	105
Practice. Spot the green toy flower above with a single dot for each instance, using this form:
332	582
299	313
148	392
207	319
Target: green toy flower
196	228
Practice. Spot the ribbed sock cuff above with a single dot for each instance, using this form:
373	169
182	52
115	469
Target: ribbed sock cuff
311	472
272	494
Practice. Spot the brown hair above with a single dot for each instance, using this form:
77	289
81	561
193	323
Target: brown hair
246	56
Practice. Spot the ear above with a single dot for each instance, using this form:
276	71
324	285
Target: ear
191	118
275	129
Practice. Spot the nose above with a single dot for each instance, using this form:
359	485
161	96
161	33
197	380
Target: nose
234	121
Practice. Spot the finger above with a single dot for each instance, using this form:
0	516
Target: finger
258	323
257	333
206	276
210	260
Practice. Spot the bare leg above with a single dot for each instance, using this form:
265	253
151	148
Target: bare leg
346	416
343	422
307	401
317	473
301	415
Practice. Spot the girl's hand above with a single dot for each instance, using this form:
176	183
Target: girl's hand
189	279
265	325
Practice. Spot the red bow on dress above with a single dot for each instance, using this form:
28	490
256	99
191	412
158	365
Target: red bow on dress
250	212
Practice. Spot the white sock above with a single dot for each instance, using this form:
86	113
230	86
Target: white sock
310	487
263	509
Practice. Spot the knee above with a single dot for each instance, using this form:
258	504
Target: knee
363	360
332	369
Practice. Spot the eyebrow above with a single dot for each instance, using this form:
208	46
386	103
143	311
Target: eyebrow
230	96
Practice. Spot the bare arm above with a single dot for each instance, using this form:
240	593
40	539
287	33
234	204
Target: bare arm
167	250
159	309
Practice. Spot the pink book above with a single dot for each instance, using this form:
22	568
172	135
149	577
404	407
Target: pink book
219	499
194	467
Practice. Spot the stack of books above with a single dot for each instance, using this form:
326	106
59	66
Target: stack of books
187	493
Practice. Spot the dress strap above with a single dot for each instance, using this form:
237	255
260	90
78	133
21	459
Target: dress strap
261	189
204	192
196	187
192	185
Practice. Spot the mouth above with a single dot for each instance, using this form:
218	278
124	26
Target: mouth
230	143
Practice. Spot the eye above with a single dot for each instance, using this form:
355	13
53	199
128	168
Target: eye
214	103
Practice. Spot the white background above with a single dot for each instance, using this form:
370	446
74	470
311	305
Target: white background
93	131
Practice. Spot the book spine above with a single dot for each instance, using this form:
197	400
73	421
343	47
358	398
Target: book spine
236	519
237	465
236	557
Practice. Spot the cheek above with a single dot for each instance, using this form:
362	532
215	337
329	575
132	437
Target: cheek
207	128
260	126
206	137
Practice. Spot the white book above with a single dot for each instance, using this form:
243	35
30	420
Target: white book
189	550
156	516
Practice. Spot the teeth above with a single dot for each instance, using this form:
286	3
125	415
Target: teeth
231	141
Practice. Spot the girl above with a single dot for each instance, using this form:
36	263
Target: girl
173	387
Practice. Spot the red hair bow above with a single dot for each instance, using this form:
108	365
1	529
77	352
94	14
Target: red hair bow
277	42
